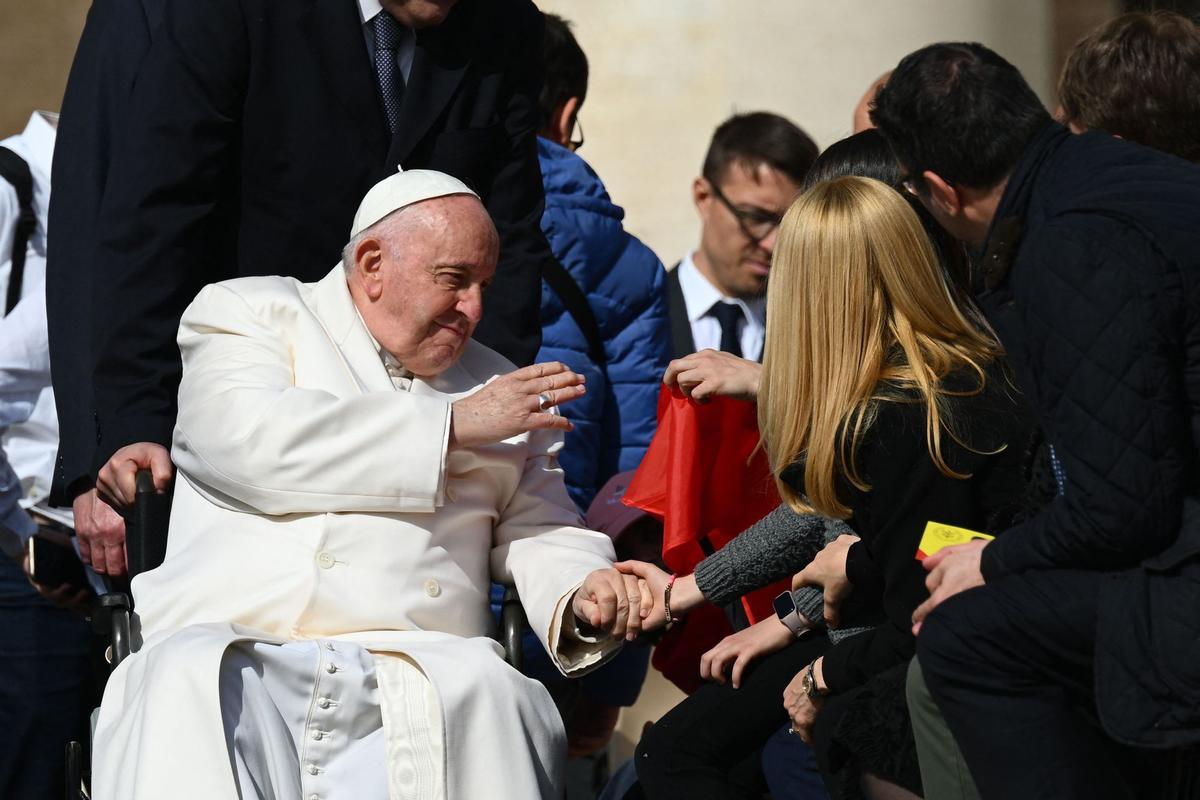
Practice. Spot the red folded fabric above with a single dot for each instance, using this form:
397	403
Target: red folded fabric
700	478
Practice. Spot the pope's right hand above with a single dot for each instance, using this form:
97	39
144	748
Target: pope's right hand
513	404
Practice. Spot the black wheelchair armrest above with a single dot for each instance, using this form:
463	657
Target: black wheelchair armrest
512	626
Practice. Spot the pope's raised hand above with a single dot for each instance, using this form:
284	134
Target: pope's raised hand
514	404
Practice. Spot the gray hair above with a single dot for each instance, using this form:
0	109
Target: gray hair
386	228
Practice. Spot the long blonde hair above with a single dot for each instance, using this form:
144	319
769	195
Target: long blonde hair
858	313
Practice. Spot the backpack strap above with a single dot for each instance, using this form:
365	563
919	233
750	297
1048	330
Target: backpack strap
577	305
14	170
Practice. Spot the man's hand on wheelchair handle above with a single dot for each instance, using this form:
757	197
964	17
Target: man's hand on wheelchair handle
117	481
613	602
98	525
101	534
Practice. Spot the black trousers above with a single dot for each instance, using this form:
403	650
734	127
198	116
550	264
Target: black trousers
710	745
1010	664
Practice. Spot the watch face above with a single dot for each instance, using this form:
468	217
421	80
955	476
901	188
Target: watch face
807	684
784	604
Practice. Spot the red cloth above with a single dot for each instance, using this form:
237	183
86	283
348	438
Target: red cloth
698	477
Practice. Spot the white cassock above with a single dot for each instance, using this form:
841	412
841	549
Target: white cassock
328	553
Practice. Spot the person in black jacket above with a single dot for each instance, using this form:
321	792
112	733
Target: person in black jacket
115	39
1082	618
256	127
882	403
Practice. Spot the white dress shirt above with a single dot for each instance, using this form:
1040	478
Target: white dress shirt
28	425
699	295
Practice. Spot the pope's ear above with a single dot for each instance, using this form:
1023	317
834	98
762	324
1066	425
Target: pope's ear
368	266
942	194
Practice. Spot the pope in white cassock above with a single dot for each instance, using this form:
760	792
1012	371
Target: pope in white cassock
354	471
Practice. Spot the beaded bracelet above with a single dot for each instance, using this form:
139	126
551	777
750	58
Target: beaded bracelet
671	620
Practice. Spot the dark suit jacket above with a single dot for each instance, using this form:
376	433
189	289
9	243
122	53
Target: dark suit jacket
258	130
682	343
114	42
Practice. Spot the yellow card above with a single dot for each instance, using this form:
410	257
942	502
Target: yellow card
937	536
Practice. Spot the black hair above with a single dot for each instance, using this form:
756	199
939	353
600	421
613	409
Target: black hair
867	155
759	138
566	67
959	110
864	154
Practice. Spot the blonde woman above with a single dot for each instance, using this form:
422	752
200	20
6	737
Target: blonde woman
883	404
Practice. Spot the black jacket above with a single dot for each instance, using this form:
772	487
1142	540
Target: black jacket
1091	277
114	42
907	490
257	129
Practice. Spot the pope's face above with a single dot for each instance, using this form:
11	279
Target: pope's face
421	284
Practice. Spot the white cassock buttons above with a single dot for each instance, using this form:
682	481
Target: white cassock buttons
323	702
432	588
312	769
325	559
331	668
318	735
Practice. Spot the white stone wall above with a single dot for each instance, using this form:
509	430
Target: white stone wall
664	73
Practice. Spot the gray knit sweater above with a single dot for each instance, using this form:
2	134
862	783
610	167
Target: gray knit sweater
777	546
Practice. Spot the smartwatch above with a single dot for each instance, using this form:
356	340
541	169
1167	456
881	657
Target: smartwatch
789	615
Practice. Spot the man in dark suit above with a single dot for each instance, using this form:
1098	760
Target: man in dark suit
258	127
110	52
717	293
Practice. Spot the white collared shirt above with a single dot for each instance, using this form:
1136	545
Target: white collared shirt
367	9
699	295
28	424
401	378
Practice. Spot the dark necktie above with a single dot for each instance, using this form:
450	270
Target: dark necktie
391	82
727	315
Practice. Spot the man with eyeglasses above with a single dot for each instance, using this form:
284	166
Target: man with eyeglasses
717	293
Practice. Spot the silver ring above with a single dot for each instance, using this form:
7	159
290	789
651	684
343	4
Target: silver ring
544	401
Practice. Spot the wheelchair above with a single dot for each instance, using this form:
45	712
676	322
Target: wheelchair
146	547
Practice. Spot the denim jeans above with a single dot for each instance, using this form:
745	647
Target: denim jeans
46	687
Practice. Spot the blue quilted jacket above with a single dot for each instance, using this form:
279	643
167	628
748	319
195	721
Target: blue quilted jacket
623	281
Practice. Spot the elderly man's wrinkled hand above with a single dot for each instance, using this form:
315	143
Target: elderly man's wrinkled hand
828	570
712	373
951	570
101	534
655	579
612	602
801	708
515	403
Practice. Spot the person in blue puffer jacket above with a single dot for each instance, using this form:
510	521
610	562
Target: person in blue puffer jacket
621	279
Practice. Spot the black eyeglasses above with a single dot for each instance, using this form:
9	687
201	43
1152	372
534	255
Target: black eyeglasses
576	142
756	223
